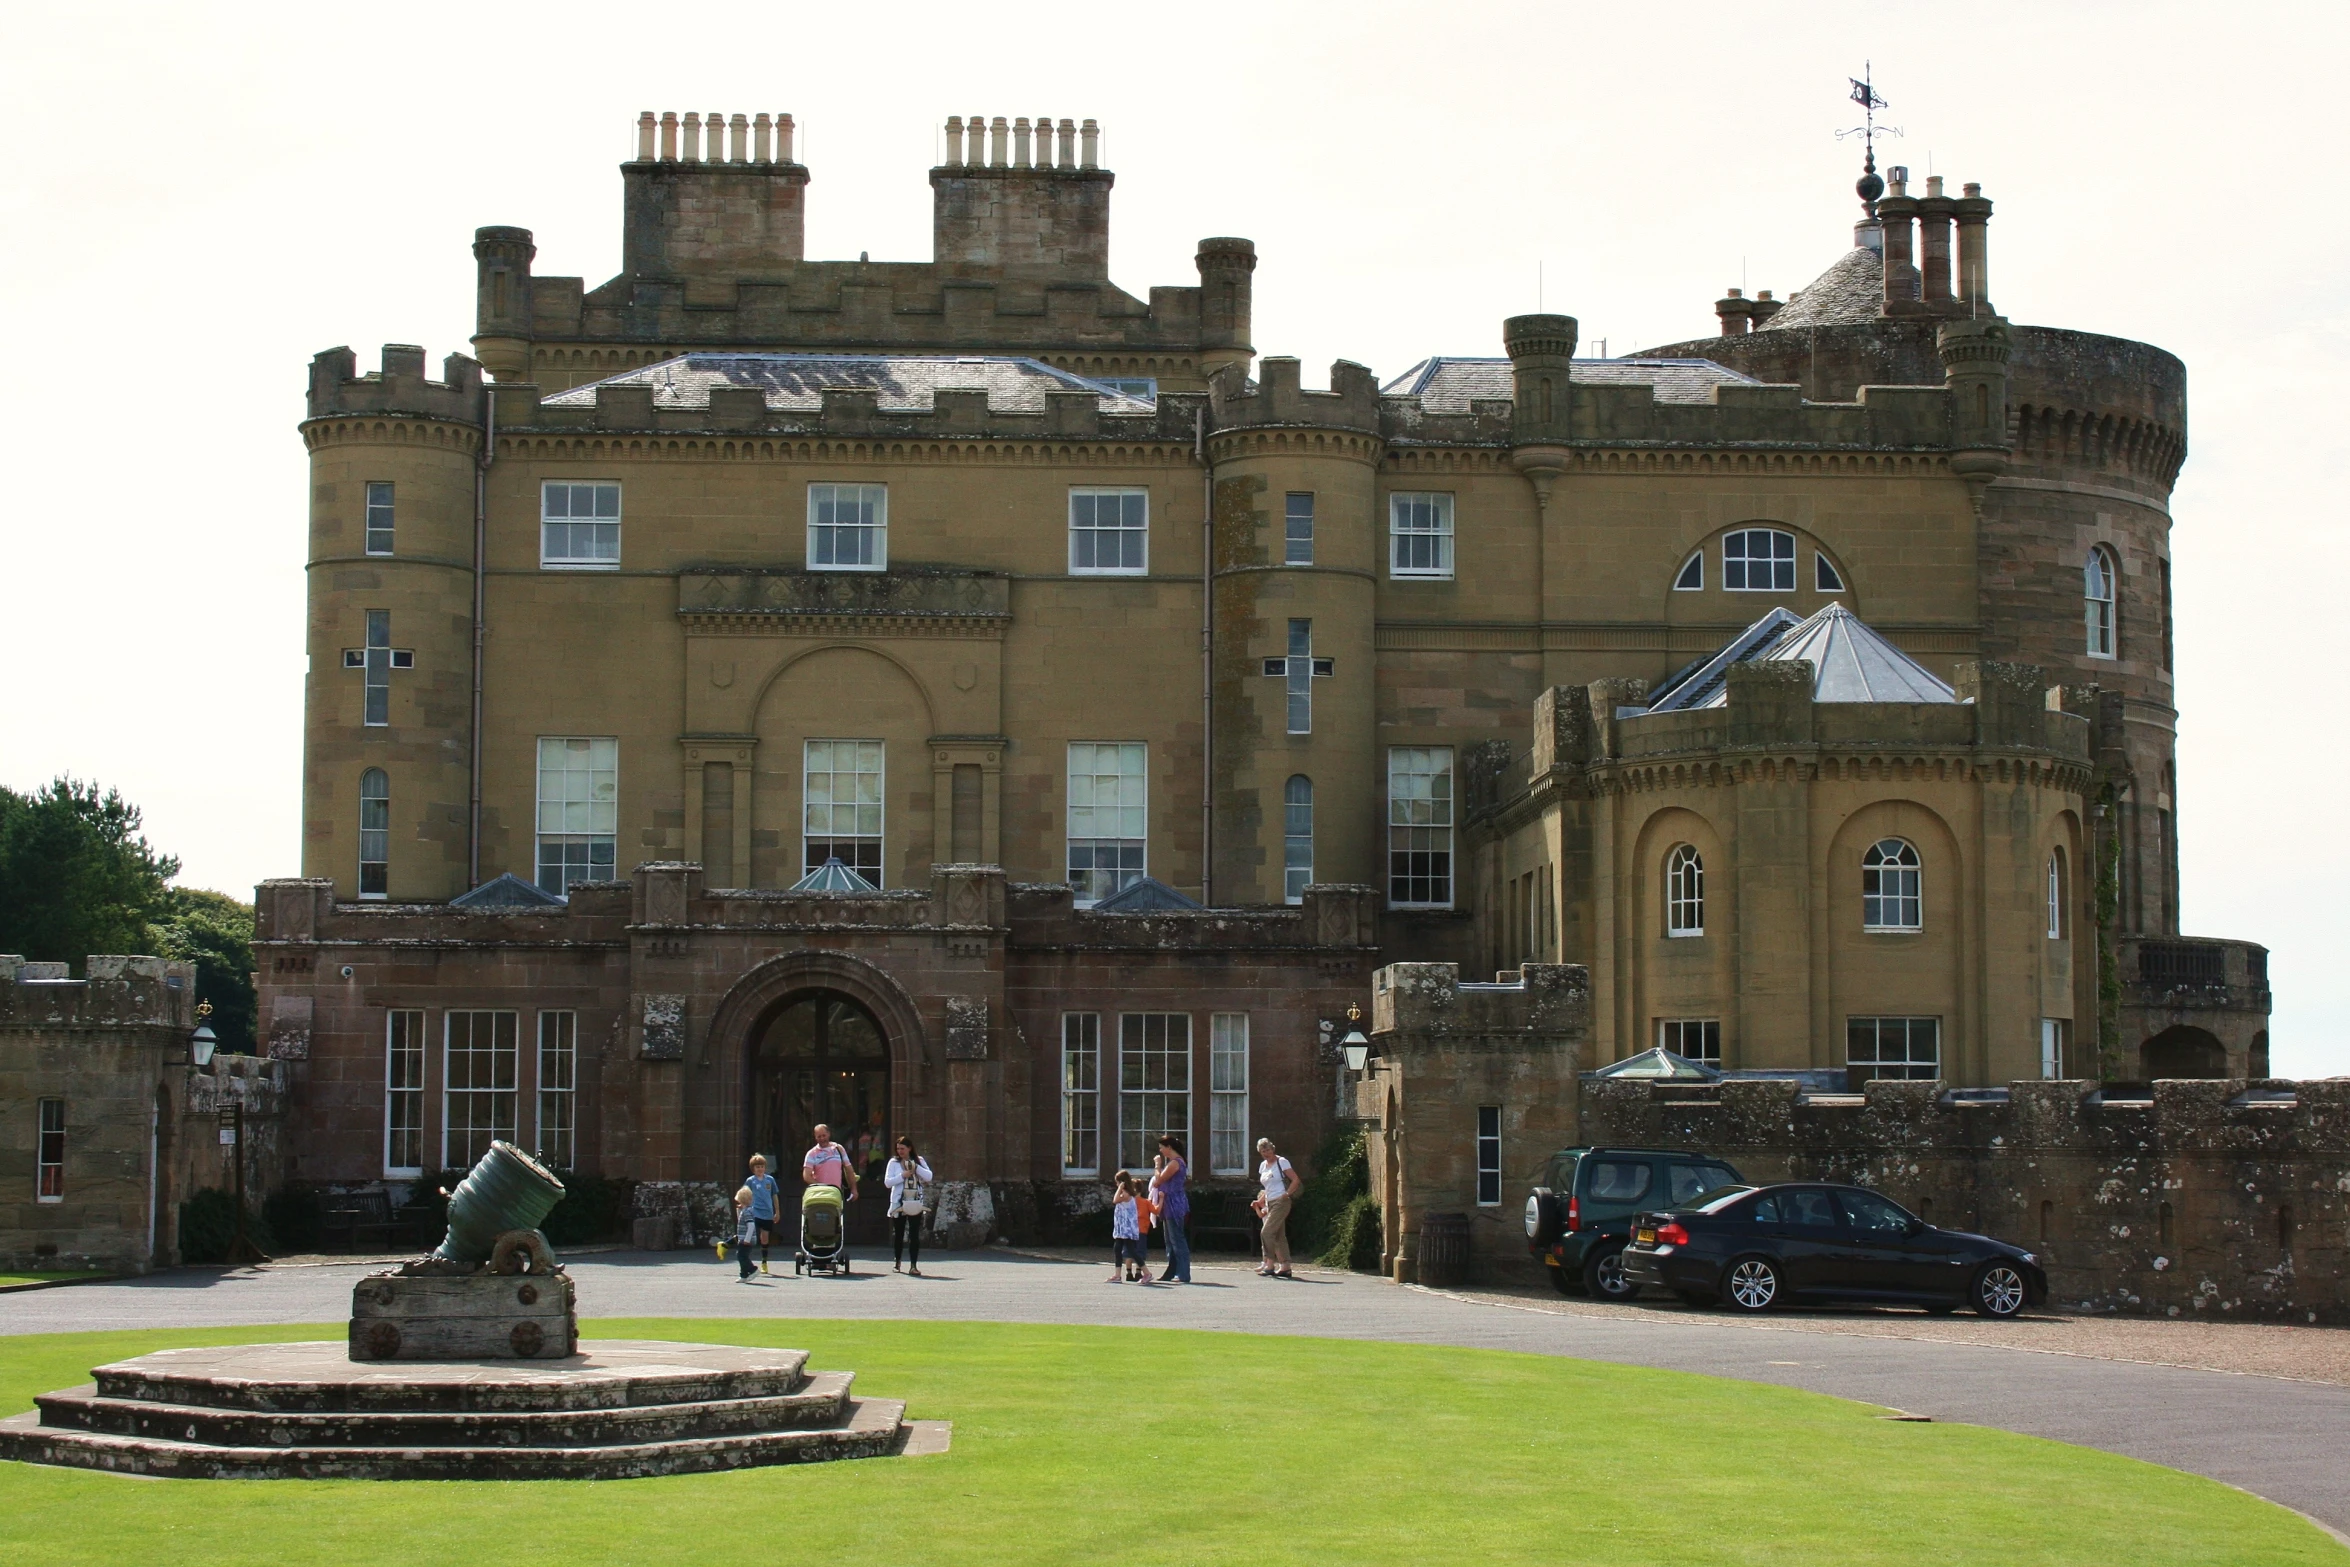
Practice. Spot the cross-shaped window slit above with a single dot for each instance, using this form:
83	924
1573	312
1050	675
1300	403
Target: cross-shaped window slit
1300	669
379	658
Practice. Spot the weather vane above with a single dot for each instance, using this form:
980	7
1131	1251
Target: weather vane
1865	94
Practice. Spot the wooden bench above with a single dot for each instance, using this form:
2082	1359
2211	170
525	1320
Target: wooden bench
354	1218
1225	1237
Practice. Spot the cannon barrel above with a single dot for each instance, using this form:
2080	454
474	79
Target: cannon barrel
508	1190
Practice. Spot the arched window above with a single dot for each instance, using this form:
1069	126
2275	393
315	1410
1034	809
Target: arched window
2056	895
375	833
1297	838
1692	577
2098	579
1684	892
1889	895
1758	560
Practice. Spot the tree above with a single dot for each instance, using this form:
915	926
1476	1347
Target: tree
215	932
76	876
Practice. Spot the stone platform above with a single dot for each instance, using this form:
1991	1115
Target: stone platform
617	1409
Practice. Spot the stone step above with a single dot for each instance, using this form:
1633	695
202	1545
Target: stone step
820	1401
322	1378
872	1428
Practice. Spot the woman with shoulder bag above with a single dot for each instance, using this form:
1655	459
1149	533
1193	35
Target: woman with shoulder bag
908	1180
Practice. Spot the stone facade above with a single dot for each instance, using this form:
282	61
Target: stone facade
1317	592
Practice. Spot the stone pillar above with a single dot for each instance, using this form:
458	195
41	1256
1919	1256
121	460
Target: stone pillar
1897	212
1974	262
1736	311
1934	215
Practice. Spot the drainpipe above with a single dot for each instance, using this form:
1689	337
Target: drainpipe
481	515
1207	658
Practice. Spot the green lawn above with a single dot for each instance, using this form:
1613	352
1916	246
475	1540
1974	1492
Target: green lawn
1094	1444
7	1279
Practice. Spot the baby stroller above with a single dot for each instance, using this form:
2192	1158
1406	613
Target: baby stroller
824	1228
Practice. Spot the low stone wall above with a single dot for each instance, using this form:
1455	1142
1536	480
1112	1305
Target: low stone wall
2222	1198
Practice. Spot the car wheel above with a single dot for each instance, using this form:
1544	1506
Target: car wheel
1752	1284
1698	1298
1603	1276
1562	1279
1999	1290
1546	1216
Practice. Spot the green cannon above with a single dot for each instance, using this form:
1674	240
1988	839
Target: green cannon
508	1190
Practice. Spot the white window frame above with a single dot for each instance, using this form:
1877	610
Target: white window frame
1899	1054
473	1096
1417	518
2056	903
49	1150
1141	1088
2100	596
1297	838
827	533
404	1057
604	548
2055	1037
1088	813
378	497
1297	542
1825	578
1229	1152
589	823
1691	577
557	1078
862	811
1122	531
1675	1034
1420	822
1081	1093
1897	909
1684	891
1740	567
1489	1156
376	692
375	836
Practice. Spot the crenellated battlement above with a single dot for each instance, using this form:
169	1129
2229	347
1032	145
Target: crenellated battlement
1278	397
119	992
399	387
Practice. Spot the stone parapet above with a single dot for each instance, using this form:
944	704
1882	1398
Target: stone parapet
119	992
337	388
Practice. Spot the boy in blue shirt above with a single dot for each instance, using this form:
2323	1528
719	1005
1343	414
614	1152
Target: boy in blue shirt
759	1214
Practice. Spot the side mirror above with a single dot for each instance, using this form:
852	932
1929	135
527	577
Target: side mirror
1918	1227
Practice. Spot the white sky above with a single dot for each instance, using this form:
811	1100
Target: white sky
196	201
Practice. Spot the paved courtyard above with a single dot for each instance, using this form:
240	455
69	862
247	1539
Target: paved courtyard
2264	1408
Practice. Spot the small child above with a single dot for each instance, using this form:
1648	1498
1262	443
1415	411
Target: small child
1126	1256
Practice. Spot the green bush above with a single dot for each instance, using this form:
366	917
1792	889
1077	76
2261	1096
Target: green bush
291	1214
1341	1183
208	1222
594	1208
1355	1237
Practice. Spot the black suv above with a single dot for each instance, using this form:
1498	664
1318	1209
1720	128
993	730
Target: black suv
1579	1216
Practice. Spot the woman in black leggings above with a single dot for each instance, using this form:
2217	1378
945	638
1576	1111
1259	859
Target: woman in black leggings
908	1179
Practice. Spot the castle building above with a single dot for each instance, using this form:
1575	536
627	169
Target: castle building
965	699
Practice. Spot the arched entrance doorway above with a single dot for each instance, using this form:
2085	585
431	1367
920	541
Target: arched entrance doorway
822	1057
2183	1051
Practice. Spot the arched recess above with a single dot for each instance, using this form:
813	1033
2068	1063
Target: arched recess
1677	977
765	990
1907	974
2257	1056
2182	1050
842	692
1714	603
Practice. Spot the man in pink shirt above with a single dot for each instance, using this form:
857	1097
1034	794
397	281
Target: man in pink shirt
827	1164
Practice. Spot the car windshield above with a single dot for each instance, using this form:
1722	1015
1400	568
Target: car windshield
1687	1183
1720	1197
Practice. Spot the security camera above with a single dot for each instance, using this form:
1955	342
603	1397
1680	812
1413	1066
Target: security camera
346	971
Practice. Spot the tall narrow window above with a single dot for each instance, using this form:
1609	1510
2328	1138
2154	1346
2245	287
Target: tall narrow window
379	518
1897	1047
403	1093
2052	1045
1697	1038
478	1091
1081	1095
2097	593
1301	677
49	1184
1228	1149
1297	838
1108	817
558	1089
1758	560
1889	887
1297	528
2166	620
1419	826
843	807
1109	532
579	525
2056	895
379	668
1419	535
1488	1156
1154	1083
848	527
1684	892
579	810
375	833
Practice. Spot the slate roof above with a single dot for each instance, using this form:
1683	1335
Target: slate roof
507	892
1850	292
833	876
1850	662
1146	896
1445	385
907	383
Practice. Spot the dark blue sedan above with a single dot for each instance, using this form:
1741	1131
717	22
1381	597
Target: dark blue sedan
1769	1246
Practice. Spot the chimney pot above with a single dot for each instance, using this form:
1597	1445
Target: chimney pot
999	130
1020	142
783	130
954	139
646	125
669	138
1068	158
693	138
975	152
1933	184
762	138
738	135
1089	137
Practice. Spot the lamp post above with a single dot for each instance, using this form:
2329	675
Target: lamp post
1357	1048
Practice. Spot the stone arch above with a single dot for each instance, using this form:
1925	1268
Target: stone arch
2182	1050
767	987
1713	604
843	691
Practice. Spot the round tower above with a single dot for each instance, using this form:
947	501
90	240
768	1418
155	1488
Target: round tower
1296	541
1225	265
501	301
387	724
